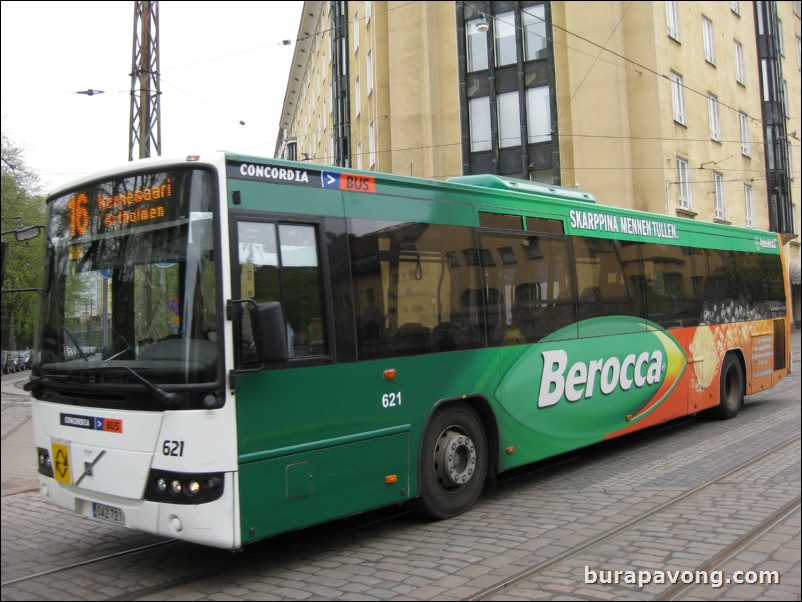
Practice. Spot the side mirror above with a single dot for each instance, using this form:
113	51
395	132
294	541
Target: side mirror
271	337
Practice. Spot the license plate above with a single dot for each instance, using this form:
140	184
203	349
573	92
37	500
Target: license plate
108	513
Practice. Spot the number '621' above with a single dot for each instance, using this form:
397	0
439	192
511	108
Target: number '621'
391	400
172	448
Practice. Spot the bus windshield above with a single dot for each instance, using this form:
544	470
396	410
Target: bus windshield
130	285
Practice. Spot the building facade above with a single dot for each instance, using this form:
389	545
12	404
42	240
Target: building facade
671	107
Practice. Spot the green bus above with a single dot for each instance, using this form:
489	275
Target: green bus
232	347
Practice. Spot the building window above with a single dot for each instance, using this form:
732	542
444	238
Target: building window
735	7
356	31
357	98
672	20
476	47
684	184
715	124
509	122
504	28
538	114
369	70
766	80
780	43
721	201
678	97
740	73
368	11
798	52
785	99
534	22
359	155
371	145
479	109
750	206
746	148
709	40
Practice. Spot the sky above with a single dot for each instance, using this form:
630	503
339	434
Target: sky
220	63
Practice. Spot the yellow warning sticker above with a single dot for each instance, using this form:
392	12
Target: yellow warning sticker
61	463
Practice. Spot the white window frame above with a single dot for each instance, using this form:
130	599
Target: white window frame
678	97
735	7
359	155
534	25
368	12
721	196
798	52
709	40
749	200
740	71
672	20
538	115
713	116
504	38
371	145
509	120
369	70
746	147
479	116
357	97
356	31
475	47
685	193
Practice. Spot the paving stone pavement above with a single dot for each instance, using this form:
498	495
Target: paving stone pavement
530	520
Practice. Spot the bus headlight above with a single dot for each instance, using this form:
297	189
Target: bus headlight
184	488
43	462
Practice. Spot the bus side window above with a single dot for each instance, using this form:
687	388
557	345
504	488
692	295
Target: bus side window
414	290
279	262
669	277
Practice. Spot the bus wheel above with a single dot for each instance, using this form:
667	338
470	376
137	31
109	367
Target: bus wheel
731	395
453	463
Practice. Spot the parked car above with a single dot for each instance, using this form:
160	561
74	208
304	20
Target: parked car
15	359
8	367
26	359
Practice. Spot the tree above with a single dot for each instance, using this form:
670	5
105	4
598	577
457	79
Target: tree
22	205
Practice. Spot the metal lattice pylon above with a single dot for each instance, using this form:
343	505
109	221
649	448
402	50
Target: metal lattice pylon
145	85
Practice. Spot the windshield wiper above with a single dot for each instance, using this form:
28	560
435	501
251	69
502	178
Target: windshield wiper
166	396
75	341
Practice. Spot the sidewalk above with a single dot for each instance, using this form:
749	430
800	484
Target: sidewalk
19	455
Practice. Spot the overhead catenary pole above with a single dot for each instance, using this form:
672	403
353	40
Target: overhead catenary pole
145	85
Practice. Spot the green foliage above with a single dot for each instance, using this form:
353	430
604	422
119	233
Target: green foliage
22	205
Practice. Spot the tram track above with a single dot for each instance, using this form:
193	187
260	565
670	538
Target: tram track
676	592
539	568
216	562
372	519
90	561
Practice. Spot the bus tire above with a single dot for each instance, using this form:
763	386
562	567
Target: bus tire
731	389
453	463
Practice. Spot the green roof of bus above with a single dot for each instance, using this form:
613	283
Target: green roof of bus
498	194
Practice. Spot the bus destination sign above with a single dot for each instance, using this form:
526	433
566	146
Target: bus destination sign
94	211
